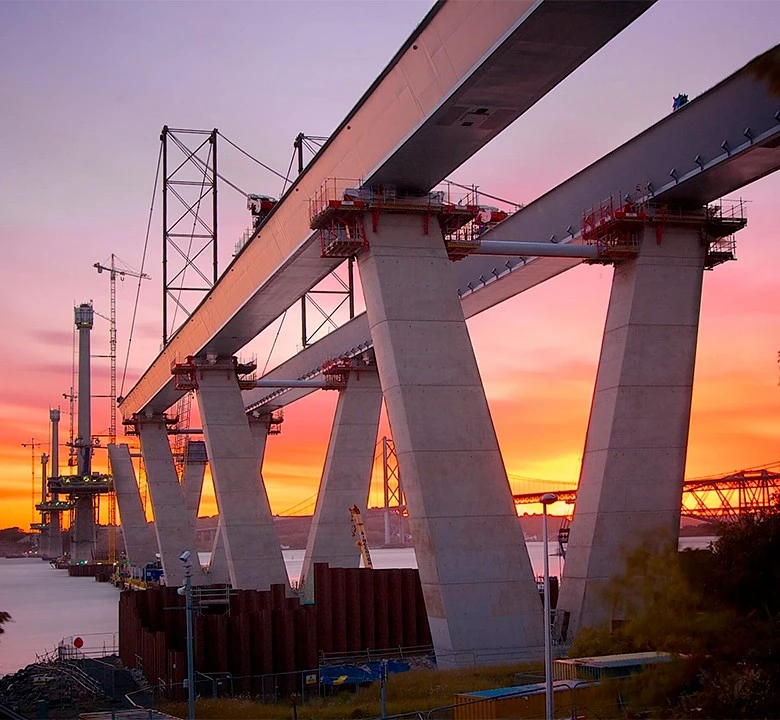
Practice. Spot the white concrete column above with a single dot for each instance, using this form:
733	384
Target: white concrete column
55	522
173	525
254	555
83	537
346	477
218	567
634	461
44	542
55	535
140	542
481	597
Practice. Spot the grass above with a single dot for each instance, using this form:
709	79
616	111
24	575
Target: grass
417	690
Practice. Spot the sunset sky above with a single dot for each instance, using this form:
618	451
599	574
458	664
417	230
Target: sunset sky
86	88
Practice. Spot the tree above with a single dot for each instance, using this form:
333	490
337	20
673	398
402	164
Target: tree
719	608
4	618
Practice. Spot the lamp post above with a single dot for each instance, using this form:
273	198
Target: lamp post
185	558
547	499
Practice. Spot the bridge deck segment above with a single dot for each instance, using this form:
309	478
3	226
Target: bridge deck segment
466	73
698	129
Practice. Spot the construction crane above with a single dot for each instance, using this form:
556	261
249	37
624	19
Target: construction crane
113	273
359	531
32	445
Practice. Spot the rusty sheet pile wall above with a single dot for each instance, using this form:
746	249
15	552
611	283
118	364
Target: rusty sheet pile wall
266	633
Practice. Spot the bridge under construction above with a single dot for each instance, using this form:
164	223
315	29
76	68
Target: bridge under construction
650	209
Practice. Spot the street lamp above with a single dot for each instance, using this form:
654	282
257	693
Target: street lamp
185	558
547	499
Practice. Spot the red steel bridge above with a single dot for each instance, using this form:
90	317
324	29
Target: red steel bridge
715	498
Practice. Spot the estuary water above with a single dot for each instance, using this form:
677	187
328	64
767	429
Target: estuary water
47	605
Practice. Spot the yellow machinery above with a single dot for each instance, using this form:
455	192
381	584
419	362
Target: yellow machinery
359	531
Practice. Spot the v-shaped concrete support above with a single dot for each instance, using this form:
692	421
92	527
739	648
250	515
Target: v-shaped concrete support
346	477
634	462
140	541
173	525
480	593
254	555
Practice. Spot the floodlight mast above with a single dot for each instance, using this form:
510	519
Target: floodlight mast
547	499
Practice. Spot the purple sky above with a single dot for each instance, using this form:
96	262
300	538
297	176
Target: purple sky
85	88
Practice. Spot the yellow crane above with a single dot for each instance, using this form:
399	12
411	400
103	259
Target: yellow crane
359	531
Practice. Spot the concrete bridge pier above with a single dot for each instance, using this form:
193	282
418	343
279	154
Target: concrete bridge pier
55	536
254	555
481	597
218	567
83	534
55	522
192	481
633	465
346	476
173	525
140	541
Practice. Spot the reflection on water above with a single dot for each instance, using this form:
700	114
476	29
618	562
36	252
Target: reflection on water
47	605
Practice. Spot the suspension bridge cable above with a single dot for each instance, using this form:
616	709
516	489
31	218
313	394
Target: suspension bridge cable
141	273
261	164
289	170
195	159
492	197
273	345
300	505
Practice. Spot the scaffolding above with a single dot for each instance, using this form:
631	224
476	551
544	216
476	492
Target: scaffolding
616	227
338	209
181	440
336	372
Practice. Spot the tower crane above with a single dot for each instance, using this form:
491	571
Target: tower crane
113	273
32	445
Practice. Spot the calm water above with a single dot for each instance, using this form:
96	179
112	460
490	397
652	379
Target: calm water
47	605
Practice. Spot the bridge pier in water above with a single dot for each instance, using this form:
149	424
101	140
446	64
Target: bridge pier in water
346	476
140	542
480	593
633	466
83	532
254	555
55	518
